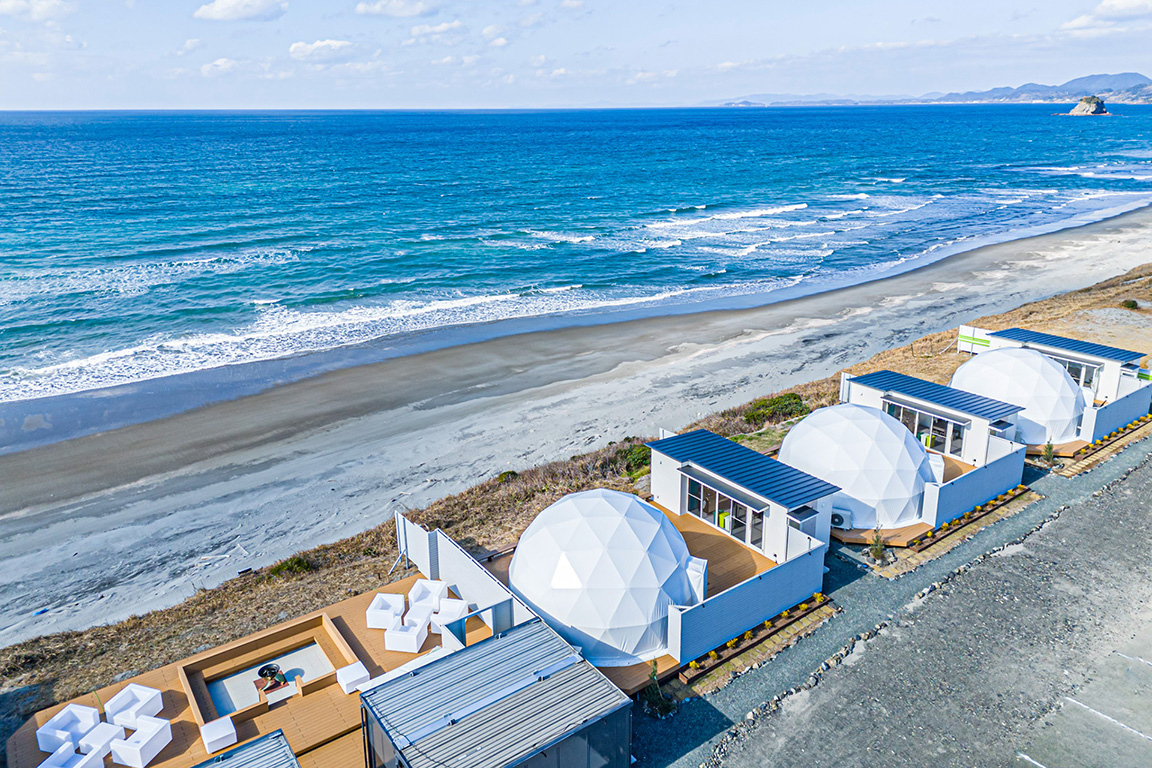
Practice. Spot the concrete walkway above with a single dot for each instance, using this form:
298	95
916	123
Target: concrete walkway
923	690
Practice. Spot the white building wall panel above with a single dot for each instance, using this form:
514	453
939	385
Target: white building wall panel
692	632
1100	422
944	503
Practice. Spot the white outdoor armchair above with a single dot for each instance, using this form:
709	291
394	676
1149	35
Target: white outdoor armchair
67	726
67	757
427	592
384	611
450	610
409	637
132	702
152	735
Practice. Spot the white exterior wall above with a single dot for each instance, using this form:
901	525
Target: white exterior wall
668	487
1100	422
692	632
976	434
944	502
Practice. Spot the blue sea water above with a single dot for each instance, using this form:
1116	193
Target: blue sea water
139	245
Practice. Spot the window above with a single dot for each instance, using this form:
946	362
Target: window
708	507
757	537
939	435
694	490
956	446
892	410
724	512
908	417
739	521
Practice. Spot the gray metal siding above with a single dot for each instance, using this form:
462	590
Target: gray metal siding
493	703
1072	345
929	391
269	751
742	466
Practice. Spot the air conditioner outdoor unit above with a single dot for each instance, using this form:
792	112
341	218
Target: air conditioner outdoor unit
840	520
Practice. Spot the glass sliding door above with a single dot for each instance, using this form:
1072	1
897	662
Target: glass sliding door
692	506
756	534
739	521
708	505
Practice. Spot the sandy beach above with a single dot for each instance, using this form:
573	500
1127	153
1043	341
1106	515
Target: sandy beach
102	527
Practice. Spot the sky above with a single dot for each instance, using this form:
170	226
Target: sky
400	54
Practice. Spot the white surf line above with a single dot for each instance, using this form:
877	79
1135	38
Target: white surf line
1023	756
1134	658
1108	718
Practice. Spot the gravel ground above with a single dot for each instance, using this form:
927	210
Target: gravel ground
962	676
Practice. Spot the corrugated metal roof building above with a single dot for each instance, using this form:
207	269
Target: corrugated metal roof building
938	394
268	751
520	698
754	472
1036	338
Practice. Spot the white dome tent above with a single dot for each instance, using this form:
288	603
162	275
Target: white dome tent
875	460
602	568
1053	403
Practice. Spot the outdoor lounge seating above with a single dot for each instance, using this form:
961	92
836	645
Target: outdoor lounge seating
409	637
99	740
132	702
450	610
427	592
385	611
218	734
67	757
67	726
351	676
152	735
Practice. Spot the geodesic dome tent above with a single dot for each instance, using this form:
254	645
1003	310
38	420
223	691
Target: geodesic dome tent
1053	403
602	568
876	461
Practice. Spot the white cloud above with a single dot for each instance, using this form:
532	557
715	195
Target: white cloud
219	67
242	10
538	61
321	50
401	9
491	31
423	30
1104	18
192	44
531	20
559	72
499	42
34	10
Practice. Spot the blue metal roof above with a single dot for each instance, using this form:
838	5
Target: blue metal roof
768	478
929	391
1072	345
268	751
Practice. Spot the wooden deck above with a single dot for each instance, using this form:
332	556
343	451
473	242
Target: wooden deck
730	562
893	537
1062	450
325	721
636	677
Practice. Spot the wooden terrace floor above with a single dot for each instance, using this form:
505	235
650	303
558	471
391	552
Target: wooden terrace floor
315	722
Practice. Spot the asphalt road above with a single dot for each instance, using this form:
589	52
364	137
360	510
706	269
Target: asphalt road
1015	659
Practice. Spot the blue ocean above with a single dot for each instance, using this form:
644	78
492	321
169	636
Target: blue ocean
135	246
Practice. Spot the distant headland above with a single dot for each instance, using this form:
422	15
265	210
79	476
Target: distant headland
1123	88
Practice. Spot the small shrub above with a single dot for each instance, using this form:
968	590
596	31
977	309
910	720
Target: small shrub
803	606
635	457
507	475
713	655
775	409
748	635
818	597
767	623
876	545
292	566
693	664
731	643
1130	304
783	614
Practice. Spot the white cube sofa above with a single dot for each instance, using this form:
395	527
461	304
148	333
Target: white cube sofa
152	734
450	610
427	592
67	726
132	702
384	611
351	676
218	734
67	757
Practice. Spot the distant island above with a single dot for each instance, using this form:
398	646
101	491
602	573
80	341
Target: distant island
1089	105
1123	88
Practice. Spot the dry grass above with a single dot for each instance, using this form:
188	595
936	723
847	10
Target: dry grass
486	518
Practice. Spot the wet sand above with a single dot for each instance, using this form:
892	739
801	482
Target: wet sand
102	527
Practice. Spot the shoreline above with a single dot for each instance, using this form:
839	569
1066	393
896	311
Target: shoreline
122	522
38	422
